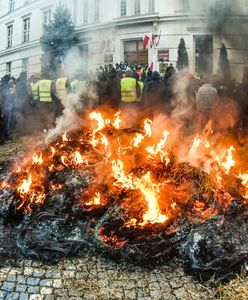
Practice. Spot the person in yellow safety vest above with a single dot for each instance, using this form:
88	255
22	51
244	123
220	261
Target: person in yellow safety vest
34	81
141	84
63	88
46	104
44	93
130	88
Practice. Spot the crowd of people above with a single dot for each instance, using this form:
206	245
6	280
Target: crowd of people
35	103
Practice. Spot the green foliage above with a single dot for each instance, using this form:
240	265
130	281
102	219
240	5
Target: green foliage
182	60
58	38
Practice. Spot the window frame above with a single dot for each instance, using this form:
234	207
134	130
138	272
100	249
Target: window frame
97	10
26	30
10	35
11	5
151	6
123	8
8	67
46	21
136	7
85	12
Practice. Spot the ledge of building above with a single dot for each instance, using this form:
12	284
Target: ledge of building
19	47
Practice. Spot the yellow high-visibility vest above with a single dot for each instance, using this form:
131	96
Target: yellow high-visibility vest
35	90
128	90
61	90
141	84
45	90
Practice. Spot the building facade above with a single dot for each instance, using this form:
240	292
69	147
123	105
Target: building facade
112	31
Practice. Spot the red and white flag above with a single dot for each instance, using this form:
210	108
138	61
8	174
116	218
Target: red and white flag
152	40
145	41
153	64
159	37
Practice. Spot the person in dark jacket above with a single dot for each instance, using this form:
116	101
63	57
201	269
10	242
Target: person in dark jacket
23	109
7	101
154	92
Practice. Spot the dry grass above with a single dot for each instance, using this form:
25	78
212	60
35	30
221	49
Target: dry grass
236	289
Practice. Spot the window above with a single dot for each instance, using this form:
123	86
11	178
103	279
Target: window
9	35
85	15
136	7
25	63
97	10
26	29
8	68
151	6
47	16
184	5
11	5
123	8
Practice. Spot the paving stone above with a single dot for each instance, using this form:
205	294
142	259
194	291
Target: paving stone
33	281
21	288
23	296
21	279
46	282
53	274
33	289
11	278
38	273
46	291
12	296
61	292
57	283
36	297
2	294
8	286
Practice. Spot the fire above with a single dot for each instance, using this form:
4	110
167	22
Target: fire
64	137
151	192
96	200
143	163
78	158
117	120
148	127
159	149
244	179
25	186
229	161
137	140
37	159
145	185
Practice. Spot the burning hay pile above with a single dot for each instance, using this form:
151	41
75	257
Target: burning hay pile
141	192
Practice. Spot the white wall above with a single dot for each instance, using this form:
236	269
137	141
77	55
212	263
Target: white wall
168	18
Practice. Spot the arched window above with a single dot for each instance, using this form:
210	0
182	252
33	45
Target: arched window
123	7
151	6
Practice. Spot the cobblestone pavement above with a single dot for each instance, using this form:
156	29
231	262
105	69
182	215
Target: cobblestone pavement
96	278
